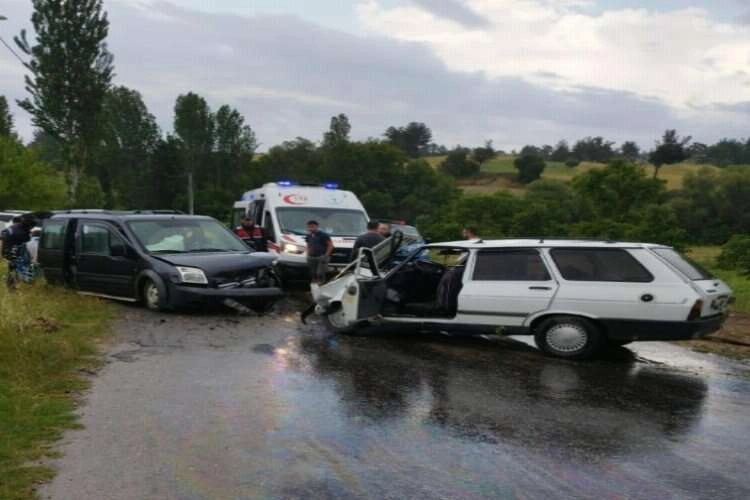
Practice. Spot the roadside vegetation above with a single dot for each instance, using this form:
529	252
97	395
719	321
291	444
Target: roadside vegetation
48	340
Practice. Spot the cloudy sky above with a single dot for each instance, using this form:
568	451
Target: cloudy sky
514	71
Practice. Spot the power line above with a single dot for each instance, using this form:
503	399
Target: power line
12	51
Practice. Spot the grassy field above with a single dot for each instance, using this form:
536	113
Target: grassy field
499	174
47	336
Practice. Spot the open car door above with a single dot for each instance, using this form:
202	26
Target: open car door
357	293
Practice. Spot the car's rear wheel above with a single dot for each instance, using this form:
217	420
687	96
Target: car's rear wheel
569	337
152	297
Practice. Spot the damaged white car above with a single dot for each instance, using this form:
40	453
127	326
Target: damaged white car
573	296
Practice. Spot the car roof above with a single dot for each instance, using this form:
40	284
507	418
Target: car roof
126	215
540	243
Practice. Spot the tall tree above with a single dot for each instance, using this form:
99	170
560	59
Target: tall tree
6	119
630	150
484	154
129	139
235	146
338	131
194	125
413	138
71	70
672	149
561	152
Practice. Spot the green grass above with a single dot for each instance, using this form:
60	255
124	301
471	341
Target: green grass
47	335
740	283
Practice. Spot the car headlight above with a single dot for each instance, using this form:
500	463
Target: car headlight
192	275
293	249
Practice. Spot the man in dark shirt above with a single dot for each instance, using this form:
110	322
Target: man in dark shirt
319	250
368	240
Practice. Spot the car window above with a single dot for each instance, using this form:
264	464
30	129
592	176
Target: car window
510	265
185	235
53	235
95	240
599	264
692	270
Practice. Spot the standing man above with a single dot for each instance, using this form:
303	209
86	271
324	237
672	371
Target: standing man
319	250
384	228
368	240
252	235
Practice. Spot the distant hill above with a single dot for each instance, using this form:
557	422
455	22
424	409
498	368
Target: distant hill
500	174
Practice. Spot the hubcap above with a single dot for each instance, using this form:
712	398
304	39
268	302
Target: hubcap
152	296
567	337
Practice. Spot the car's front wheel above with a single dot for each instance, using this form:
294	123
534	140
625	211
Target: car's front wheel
152	295
569	337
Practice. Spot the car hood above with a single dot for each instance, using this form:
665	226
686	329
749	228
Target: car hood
220	262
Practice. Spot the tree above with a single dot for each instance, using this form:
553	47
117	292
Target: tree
630	150
194	126
594	149
458	164
26	181
6	119
484	154
672	149
412	139
235	146
561	152
338	131
71	70
129	139
530	168
612	192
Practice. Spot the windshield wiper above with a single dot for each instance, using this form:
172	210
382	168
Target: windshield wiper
167	251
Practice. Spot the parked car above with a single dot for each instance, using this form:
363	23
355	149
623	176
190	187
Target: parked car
575	297
163	260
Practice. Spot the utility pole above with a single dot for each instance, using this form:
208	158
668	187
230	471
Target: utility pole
191	204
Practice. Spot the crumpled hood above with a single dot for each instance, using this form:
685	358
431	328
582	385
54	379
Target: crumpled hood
214	263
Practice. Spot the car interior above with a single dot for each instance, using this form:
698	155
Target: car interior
427	284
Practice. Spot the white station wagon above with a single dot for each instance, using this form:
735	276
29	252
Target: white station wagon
574	296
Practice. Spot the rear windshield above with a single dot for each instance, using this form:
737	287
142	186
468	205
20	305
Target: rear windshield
692	270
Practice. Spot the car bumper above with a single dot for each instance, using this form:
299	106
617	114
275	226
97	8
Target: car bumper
663	330
180	296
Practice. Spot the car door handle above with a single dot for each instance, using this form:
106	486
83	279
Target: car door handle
540	288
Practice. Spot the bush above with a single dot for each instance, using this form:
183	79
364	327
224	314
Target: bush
572	162
530	168
458	164
736	254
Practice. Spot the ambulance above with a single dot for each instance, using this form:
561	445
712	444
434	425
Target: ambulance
283	209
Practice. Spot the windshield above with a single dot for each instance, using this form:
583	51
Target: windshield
185	235
692	270
334	221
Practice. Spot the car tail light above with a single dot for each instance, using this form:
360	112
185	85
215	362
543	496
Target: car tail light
695	312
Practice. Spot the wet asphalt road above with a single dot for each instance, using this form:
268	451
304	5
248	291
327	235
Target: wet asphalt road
215	407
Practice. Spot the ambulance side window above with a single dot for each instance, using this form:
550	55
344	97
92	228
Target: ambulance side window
268	228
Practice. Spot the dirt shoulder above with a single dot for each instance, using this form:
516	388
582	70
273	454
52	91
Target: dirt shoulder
732	341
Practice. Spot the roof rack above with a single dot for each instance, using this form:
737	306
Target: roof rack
574	238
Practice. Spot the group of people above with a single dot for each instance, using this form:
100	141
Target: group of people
19	246
320	244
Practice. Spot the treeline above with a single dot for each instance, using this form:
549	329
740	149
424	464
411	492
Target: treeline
619	201
724	153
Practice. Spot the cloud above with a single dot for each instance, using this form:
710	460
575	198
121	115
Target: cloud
453	10
289	76
646	52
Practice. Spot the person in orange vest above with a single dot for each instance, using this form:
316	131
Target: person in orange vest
252	235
